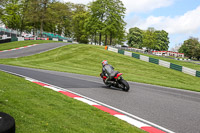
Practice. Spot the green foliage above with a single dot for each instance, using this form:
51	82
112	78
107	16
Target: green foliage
11	17
107	19
80	15
60	18
191	48
162	40
135	37
151	39
102	18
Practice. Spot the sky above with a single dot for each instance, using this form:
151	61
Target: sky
180	18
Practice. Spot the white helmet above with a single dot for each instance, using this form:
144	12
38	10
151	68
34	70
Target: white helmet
104	62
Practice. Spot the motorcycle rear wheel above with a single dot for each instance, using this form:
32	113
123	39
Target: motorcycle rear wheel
125	85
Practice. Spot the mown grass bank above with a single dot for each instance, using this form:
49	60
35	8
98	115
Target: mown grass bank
86	59
17	44
37	110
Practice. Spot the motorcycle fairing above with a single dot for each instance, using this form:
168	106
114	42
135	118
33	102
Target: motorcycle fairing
119	74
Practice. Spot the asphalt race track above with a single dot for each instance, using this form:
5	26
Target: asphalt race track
170	108
31	50
174	109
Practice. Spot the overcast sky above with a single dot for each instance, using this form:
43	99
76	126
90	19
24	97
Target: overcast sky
180	18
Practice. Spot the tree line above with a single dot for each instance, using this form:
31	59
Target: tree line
151	39
101	21
191	48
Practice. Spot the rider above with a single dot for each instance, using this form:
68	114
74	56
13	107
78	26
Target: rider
107	70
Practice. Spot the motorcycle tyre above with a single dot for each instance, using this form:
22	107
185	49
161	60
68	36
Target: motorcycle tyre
125	84
108	85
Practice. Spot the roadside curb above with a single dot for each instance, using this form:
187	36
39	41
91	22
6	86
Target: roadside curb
19	48
134	122
129	118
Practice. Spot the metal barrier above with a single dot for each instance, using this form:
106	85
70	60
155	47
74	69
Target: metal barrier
157	61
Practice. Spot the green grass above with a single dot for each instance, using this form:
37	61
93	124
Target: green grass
181	63
86	59
17	44
37	110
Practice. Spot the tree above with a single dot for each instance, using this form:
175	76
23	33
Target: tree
149	40
115	25
135	37
37	14
60	18
191	48
2	3
11	17
80	15
162	40
107	16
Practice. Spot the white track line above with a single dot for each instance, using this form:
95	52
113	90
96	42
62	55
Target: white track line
137	121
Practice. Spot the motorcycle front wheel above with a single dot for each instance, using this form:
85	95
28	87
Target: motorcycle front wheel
124	84
107	84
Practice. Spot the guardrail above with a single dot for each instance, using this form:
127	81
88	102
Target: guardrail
157	61
149	53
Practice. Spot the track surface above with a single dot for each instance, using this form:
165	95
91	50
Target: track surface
31	50
174	109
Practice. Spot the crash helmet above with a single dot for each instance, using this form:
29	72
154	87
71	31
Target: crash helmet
104	62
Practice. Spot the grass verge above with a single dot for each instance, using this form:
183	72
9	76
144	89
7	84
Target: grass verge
86	59
17	44
37	110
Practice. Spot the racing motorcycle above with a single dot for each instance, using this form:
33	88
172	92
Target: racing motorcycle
116	81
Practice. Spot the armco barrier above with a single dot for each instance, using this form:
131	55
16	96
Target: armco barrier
29	38
55	39
65	41
14	39
128	53
157	61
5	40
41	38
113	49
189	71
137	56
152	60
144	58
121	51
164	63
20	39
176	67
198	73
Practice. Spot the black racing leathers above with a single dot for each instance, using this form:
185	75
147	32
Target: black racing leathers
106	71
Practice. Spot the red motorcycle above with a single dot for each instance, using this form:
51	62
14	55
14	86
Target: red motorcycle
116	81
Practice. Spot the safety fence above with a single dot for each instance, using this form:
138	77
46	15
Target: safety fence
14	34
149	53
157	61
8	39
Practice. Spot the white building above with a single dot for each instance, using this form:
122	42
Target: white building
168	53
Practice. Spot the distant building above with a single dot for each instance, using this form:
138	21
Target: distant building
168	53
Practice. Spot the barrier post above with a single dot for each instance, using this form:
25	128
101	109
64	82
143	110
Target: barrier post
106	47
